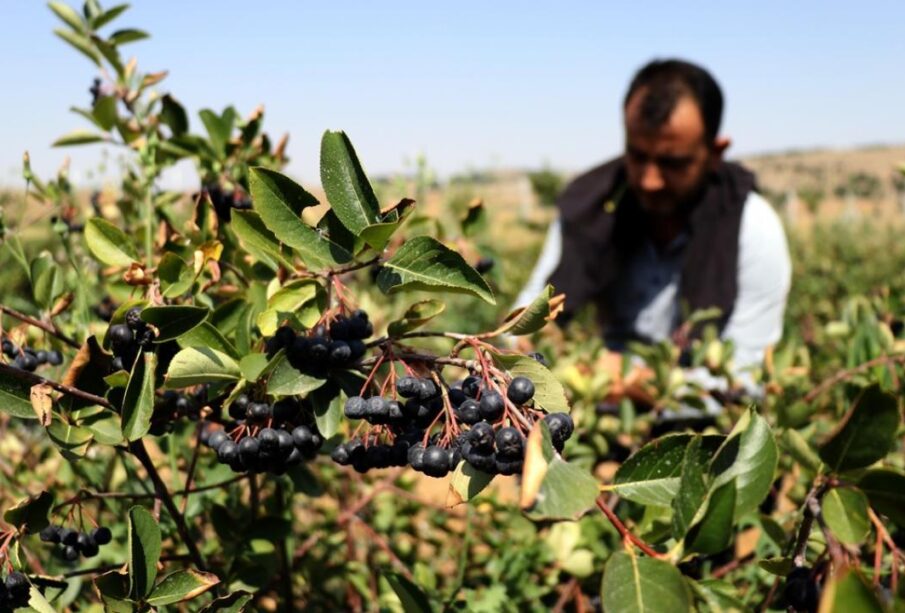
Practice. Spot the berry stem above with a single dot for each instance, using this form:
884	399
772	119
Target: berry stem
625	532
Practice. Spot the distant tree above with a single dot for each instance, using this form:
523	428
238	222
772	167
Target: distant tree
811	196
860	184
546	183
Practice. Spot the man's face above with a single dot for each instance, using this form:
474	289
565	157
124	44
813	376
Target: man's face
667	165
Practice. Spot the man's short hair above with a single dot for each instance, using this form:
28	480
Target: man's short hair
666	81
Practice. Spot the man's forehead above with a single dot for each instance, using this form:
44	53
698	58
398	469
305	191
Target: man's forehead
683	126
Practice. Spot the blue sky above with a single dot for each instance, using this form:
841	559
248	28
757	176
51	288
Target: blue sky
471	84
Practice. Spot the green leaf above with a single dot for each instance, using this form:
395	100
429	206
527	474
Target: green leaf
78	137
529	319
413	599
144	552
71	440
415	316
801	451
29	516
424	263
113	588
548	391
80	42
650	476
206	335
633	584
279	201
777	566
173	321
258	240
475	218
287	381
713	533
37	602
196	365
866	433
180	586
129	35
107	16
379	234
845	512
338	233
848	591
217	130
252	365
108	244
327	415
103	425
15	395
343	179
110	53
173	114
68	15
718	595
886	491
289	300
104	112
45	280
176	278
749	455
138	402
693	489
466	483
551	487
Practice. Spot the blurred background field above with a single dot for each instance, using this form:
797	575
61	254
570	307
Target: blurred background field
844	210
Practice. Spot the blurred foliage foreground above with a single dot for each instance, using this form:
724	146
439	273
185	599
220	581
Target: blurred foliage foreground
250	399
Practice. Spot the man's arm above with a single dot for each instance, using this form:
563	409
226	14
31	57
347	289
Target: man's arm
764	278
547	262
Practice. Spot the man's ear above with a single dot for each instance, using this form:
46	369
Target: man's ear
720	144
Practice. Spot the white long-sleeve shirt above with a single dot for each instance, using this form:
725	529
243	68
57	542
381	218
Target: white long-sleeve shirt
650	308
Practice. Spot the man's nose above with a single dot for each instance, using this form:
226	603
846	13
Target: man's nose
651	178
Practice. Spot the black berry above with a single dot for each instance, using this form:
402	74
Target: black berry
521	390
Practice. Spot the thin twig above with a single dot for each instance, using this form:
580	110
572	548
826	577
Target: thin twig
625	532
353	266
49	328
843	375
799	554
88	495
139	451
381	542
34	379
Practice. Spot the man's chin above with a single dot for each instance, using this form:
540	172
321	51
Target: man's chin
659	209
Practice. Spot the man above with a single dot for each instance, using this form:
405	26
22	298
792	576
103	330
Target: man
670	227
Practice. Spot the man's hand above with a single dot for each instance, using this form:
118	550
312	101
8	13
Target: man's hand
631	385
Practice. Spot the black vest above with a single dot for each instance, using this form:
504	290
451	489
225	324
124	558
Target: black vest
602	224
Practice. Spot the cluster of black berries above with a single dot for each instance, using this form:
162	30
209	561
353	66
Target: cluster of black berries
225	201
73	543
29	359
337	347
406	420
171	407
493	450
266	438
801	591
14	592
129	339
